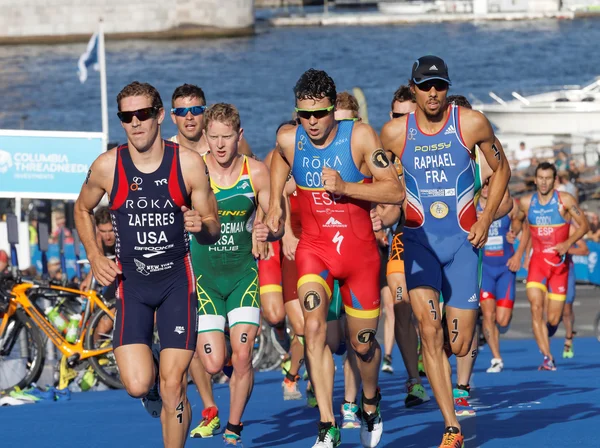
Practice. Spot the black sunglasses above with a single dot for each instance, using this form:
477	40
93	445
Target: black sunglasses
183	111
141	114
305	114
438	84
397	114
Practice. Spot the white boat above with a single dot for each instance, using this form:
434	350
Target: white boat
571	110
406	7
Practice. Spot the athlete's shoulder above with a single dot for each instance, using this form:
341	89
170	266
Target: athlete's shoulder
257	168
566	198
394	129
106	161
525	201
472	120
190	160
287	134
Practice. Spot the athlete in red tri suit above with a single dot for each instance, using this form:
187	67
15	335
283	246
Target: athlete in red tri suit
332	163
152	185
549	213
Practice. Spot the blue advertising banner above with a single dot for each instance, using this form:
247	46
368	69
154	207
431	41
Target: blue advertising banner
587	269
46	164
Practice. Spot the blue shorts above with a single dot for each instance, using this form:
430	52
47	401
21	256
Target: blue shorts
457	280
171	296
498	283
571	283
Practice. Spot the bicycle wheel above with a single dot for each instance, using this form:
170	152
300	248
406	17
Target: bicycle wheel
22	353
99	335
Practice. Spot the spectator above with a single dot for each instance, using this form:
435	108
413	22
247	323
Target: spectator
562	161
33	234
3	261
565	184
60	224
54	269
594	232
523	157
574	170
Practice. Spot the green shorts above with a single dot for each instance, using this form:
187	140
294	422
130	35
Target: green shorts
335	306
232	297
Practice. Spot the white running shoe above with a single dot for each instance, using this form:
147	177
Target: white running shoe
496	367
371	429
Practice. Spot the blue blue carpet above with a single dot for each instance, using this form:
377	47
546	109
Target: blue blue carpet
520	407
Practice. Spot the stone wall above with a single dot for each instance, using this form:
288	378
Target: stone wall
39	20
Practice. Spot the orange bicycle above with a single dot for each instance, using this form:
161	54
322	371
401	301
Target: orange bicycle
23	325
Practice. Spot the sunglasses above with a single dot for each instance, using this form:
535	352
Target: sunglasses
349	119
438	84
183	111
317	113
397	114
141	114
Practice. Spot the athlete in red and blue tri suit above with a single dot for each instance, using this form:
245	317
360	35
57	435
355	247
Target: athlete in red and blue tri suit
332	163
442	233
152	186
548	213
499	276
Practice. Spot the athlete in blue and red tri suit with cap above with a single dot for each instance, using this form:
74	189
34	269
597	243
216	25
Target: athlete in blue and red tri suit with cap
153	186
549	213
333	164
442	233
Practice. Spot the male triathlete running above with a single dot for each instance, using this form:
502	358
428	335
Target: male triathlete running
499	276
188	104
405	332
152	185
580	248
549	212
226	272
333	164
442	234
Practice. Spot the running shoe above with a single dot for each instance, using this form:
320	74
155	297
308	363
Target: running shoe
152	402
311	399
568	351
62	394
371	427
421	366
461	391
387	364
23	395
232	440
41	395
462	408
329	436
548	364
209	426
415	394
452	438
496	366
7	400
350	416
290	389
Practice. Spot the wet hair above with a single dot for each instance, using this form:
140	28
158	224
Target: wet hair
223	113
459	100
315	85
102	216
290	122
188	91
546	166
140	89
347	101
401	95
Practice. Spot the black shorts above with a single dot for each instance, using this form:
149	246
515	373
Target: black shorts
171	295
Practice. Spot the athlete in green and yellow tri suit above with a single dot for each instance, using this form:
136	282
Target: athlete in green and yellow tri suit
226	273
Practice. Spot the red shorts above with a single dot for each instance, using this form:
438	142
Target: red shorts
278	274
547	277
356	269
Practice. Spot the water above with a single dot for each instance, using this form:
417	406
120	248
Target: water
40	89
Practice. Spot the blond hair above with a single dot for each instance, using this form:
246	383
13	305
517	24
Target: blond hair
346	101
223	113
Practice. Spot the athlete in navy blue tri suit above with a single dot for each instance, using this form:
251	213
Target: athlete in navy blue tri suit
442	233
153	185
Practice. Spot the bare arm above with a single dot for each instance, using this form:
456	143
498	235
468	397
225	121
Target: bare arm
203	199
386	189
570	204
580	248
506	206
389	214
281	163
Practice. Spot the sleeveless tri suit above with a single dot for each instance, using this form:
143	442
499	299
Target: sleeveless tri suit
498	282
226	272
547	270
152	250
442	182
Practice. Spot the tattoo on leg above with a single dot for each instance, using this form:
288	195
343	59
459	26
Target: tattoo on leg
433	311
455	331
180	415
380	159
207	349
366	336
244	338
473	353
399	293
487	333
312	300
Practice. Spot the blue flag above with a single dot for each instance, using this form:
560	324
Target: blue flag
89	58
